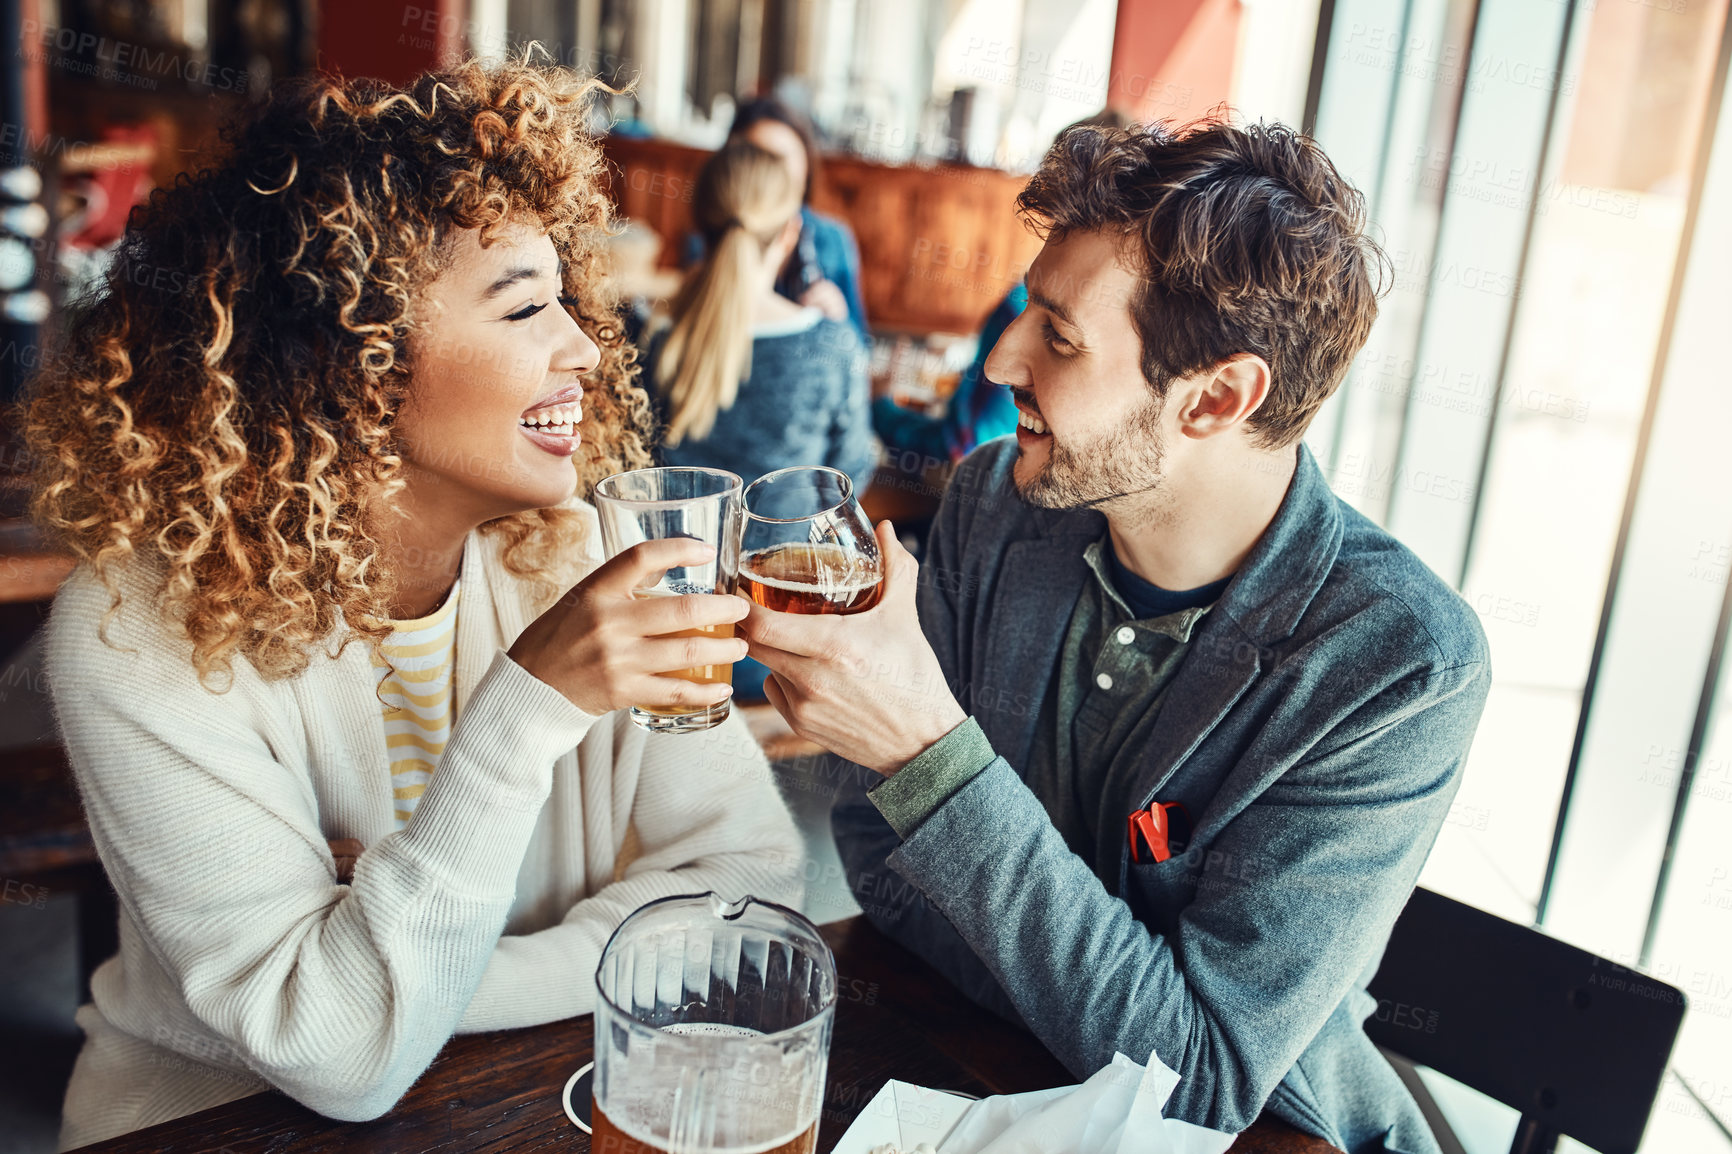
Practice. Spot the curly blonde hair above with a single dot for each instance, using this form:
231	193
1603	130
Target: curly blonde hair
224	406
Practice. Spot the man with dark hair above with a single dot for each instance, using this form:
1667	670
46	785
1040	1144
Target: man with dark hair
1163	731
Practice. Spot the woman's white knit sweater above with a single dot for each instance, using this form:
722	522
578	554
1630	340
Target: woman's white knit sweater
243	965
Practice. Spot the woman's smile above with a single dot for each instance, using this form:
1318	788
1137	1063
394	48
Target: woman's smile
551	423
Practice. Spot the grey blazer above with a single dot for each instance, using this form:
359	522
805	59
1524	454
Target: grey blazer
1316	731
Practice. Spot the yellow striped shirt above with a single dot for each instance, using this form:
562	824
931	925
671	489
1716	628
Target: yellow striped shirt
413	667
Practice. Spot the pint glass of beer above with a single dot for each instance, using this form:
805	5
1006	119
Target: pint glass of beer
807	546
712	1030
646	504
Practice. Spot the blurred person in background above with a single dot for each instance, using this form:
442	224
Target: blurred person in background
977	412
823	268
361	776
746	380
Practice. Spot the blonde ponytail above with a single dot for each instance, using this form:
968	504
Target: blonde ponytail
744	198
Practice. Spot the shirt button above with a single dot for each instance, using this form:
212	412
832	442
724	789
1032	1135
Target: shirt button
1126	635
1104	680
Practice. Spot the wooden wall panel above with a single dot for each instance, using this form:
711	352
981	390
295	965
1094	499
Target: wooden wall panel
652	182
939	246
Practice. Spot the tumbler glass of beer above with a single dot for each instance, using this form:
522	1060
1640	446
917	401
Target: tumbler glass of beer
807	546
712	1030
646	504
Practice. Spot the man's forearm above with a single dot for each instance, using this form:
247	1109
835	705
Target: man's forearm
897	907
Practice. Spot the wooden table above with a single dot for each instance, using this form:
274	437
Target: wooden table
895	1018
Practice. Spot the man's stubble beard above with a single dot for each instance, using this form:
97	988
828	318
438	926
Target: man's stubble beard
1118	471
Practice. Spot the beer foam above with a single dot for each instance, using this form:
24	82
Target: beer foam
690	1028
825	588
674	589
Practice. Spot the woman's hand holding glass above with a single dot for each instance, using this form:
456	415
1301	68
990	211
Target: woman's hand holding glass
606	648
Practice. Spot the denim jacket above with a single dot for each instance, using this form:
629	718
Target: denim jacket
1324	712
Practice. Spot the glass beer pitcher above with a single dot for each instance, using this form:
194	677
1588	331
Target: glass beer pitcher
712	1030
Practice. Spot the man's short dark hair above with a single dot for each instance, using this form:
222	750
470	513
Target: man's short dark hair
1248	241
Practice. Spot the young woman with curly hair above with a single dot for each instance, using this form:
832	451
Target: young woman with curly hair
321	444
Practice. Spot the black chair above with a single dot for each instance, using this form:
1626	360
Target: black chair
1578	1044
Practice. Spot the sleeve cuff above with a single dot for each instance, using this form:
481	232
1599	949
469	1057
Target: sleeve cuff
511	731
910	796
472	825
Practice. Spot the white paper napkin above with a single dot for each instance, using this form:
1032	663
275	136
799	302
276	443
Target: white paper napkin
902	1116
1117	1111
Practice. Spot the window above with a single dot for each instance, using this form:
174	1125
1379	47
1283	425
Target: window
1541	415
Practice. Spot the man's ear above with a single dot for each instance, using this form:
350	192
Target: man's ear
1223	398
